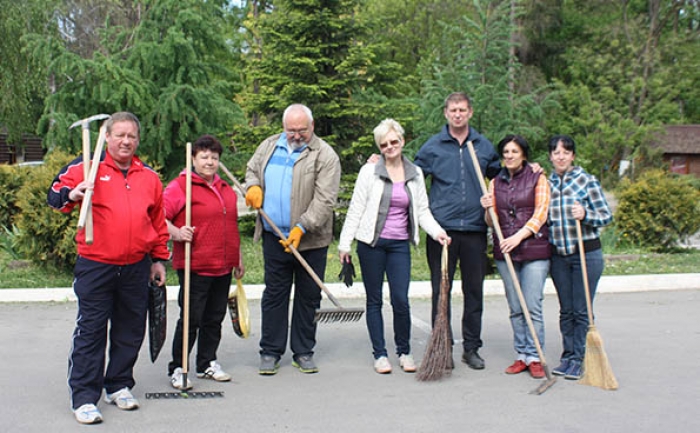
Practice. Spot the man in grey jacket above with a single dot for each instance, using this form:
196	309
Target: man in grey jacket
294	177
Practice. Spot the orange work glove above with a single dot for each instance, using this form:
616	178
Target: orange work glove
293	239
254	197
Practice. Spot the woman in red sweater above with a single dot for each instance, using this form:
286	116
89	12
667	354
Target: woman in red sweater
215	257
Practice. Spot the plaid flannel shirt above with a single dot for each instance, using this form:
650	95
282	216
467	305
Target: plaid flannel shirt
576	186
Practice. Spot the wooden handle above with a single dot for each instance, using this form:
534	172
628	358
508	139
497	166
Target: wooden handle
86	173
188	260
584	272
279	233
94	167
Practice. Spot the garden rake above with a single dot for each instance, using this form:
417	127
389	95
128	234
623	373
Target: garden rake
185	390
325	315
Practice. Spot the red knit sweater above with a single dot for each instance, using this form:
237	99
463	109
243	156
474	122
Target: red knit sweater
216	242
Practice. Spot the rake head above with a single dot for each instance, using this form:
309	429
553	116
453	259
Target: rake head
329	315
183	394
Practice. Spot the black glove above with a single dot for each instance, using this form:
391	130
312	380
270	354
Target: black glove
347	273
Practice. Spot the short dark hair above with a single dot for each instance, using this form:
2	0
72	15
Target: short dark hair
520	141
458	97
207	142
565	140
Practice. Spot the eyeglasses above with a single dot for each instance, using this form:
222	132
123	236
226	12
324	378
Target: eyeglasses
297	131
393	143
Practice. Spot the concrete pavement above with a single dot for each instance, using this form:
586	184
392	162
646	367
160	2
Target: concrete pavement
651	334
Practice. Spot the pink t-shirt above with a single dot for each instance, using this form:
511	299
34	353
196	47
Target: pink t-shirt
396	225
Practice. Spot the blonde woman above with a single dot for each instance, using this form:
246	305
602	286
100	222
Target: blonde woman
388	205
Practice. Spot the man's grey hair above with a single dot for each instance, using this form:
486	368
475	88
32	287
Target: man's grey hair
295	107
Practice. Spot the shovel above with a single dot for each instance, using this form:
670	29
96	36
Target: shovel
523	305
338	314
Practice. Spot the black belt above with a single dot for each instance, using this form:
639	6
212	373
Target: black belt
588	246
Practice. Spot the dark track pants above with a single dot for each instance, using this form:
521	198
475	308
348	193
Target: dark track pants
114	295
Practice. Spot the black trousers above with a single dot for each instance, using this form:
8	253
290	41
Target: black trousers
282	270
107	295
208	302
469	250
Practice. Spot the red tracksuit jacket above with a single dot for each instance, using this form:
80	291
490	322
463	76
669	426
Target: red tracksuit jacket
127	211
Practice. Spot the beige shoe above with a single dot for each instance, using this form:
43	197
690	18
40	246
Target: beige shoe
407	363
382	365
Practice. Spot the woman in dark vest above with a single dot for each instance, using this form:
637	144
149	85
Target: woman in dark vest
520	198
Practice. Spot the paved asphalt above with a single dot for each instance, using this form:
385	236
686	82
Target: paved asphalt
651	337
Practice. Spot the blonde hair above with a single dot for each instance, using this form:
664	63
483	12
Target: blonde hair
386	126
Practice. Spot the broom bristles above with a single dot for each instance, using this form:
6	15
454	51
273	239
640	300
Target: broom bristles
438	354
437	360
596	368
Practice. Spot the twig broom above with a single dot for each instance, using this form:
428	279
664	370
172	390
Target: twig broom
596	368
437	360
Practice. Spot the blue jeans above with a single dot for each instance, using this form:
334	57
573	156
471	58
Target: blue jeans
573	312
392	257
531	276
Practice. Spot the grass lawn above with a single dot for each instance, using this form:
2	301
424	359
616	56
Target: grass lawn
618	262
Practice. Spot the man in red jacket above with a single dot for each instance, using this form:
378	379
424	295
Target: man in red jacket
112	273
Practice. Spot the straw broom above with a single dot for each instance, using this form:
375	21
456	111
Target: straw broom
437	360
596	368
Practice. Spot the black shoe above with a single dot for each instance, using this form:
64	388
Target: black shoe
268	365
305	363
473	360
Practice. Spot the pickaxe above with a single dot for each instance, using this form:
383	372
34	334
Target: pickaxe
85	124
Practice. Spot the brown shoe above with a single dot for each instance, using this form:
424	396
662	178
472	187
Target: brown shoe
517	367
536	370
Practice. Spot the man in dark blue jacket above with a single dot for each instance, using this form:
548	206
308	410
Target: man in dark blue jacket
454	202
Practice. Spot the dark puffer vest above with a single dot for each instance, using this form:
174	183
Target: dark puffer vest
515	202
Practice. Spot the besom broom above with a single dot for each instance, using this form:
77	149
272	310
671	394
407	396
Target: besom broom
437	360
596	368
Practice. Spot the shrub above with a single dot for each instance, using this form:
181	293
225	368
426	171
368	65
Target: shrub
46	236
657	210
11	178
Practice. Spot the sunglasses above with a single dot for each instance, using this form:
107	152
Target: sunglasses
393	143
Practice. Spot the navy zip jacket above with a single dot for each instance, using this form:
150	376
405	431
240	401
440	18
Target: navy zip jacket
455	191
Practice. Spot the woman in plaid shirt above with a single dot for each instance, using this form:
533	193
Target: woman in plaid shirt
576	195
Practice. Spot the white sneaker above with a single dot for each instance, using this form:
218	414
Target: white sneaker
176	379
407	363
382	365
88	414
123	399
215	372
